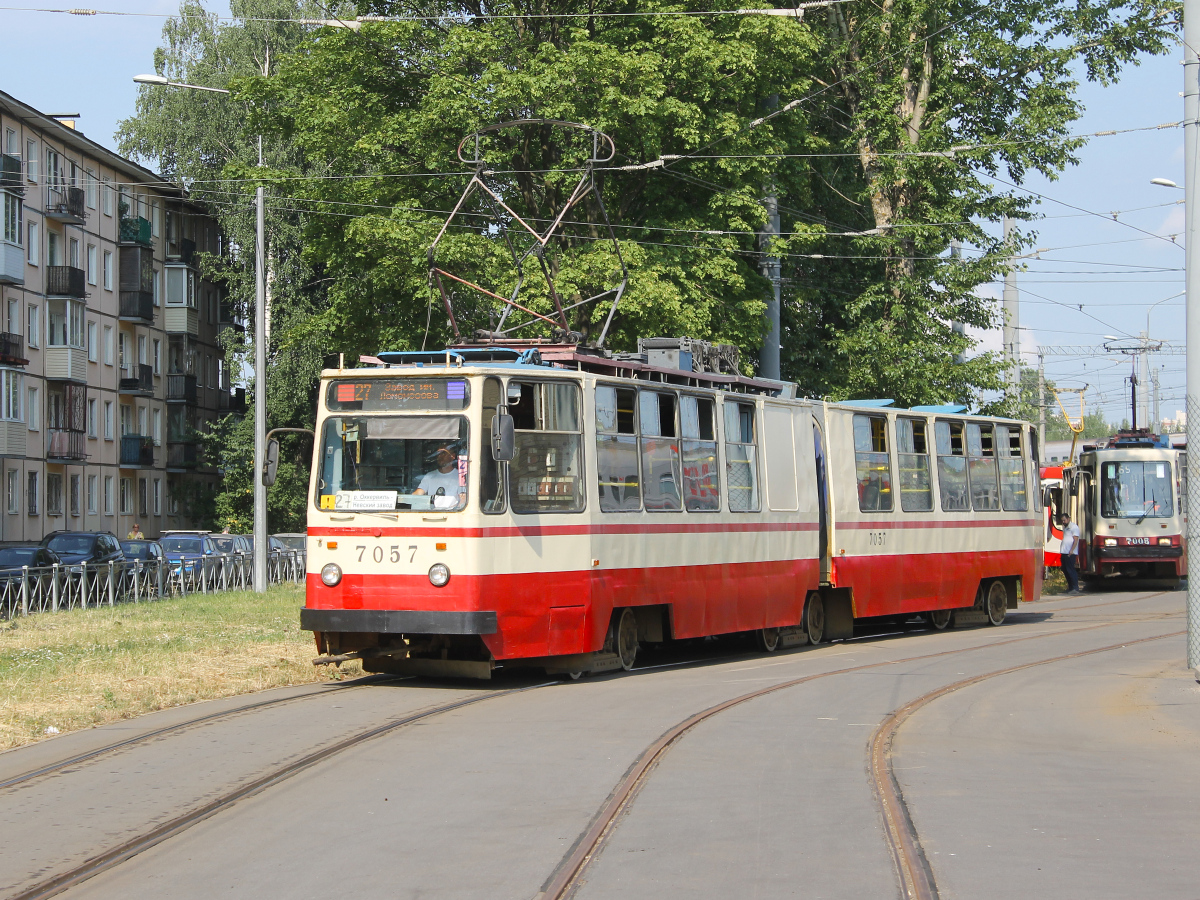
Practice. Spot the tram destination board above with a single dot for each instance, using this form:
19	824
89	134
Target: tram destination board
389	394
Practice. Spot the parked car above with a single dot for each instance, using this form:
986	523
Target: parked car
90	547
291	541
13	556
146	551
185	549
274	545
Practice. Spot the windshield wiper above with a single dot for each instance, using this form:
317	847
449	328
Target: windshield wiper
1152	502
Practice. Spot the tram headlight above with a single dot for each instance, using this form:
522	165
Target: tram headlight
1164	542
439	574
1110	542
331	574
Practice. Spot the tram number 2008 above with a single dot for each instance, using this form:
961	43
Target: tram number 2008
394	553
877	538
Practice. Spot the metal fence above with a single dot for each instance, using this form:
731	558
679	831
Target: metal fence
51	588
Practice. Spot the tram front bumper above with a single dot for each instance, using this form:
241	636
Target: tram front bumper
398	621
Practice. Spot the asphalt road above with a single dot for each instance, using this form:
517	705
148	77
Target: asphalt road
1066	779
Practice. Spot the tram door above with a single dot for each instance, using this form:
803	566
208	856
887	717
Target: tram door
823	517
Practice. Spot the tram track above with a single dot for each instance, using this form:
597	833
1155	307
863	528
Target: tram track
589	843
567	876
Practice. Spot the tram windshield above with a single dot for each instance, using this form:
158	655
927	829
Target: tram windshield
1136	489
391	463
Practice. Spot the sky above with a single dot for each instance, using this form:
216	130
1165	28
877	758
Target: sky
1099	275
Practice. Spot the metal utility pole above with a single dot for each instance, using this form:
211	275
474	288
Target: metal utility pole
1157	420
1041	401
958	328
1191	110
260	388
768	360
1012	323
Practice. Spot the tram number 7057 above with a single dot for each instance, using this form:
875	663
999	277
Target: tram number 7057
394	552
877	538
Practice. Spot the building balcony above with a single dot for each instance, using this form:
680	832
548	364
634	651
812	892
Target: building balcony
181	389
137	306
232	400
12	349
12	263
181	320
136	230
66	364
182	250
140	384
137	451
65	204
184	455
10	174
67	446
65	281
13	436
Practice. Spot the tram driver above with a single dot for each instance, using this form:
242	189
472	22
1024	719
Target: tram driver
442	481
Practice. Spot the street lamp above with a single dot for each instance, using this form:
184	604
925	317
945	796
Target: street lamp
1165	182
260	353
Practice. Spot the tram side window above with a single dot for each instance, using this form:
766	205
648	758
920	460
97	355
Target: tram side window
491	473
952	466
741	457
660	452
617	449
1036	457
546	475
981	461
1012	469
916	493
701	485
872	465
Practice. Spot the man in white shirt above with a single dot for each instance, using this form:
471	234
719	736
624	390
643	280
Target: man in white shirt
443	479
1068	549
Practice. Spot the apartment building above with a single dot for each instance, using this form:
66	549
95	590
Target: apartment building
110	364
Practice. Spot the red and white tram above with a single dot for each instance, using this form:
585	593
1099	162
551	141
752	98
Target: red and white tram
556	506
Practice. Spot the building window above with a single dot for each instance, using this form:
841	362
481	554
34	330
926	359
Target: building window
156	433
10	395
91	264
91	417
54	499
89	183
13	322
108	420
210	371
53	253
122	355
66	323
34	409
31	162
108	495
126	496
158	496
75	485
14	219
108	270
181	287
106	198
10	142
143	425
31	248
157	356
91	495
31	494
34	331
13	491
108	345
142	359
157	287
156	218
73	253
126	419
91	341
143	498
172	504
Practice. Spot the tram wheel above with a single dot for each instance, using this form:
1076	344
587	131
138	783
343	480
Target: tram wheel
939	619
627	639
814	618
997	603
767	639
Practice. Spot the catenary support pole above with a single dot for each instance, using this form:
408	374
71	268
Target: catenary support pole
1191	109
768	361
260	395
1042	402
1012	323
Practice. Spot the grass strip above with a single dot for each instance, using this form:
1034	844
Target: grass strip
65	671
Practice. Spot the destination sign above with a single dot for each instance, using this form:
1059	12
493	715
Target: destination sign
387	394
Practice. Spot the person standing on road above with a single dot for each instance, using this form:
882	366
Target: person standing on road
1068	550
